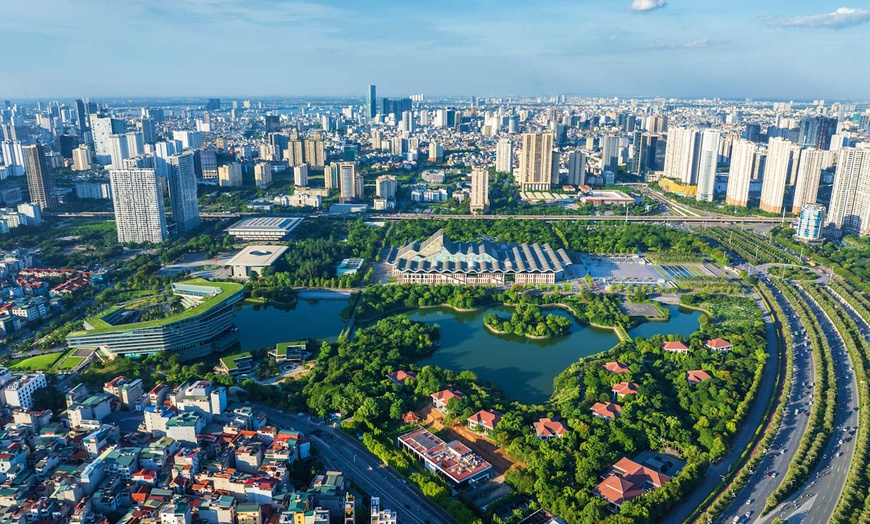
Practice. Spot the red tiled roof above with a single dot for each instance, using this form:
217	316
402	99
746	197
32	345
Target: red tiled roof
696	376
676	346
445	395
628	480
410	417
547	427
400	376
625	388
718	343
607	410
616	367
487	418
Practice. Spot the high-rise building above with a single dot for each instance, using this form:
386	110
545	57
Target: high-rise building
436	152
810	223
350	188
658	124
230	175
371	102
208	162
817	131
189	139
182	191
38	179
66	144
479	190
331	178
138	203
81	158
812	162
740	173
263	174
609	154
149	134
536	162
82	120
12	153
102	129
386	186
681	159
707	159
781	161
850	198
119	150
504	156
300	175
314	153
576	168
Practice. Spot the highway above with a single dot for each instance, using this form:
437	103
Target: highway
815	502
753	497
341	453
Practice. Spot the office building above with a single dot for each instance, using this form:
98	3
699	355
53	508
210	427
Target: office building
102	129
138	203
609	154
66	144
263	229
810	223
681	159
817	132
38	177
504	156
189	139
263	174
208	163
230	175
19	392
576	168
708	157
850	198
204	327
119	150
183	191
314	153
351	188
371	102
12	153
479	190
386	186
300	175
149	134
812	162
781	161
536	162
81	158
740	173
331	178
82	120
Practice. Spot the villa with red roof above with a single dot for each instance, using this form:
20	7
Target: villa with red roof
441	398
399	377
627	480
606	410
675	346
547	429
616	367
484	420
453	461
410	417
718	344
624	388
696	376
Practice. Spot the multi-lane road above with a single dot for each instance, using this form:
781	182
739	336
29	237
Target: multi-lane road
771	470
341	453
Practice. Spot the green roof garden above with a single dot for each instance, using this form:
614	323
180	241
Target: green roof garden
226	290
281	347
230	361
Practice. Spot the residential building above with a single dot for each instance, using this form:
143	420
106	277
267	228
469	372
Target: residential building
810	223
547	429
576	169
380	515
263	174
479	190
708	156
300	175
331	178
696	376
386	186
436	152
740	173
38	177
627	480
81	158
129	392
314	153
138	203
440	399
19	392
484	420
812	162
816	131
606	410
536	162
230	175
102	129
504	156
782	160
680	155
609	154
183	199
850	198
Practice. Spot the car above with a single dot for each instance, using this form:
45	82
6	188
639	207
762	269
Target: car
749	501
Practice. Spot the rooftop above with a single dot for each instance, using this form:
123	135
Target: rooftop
264	224
259	255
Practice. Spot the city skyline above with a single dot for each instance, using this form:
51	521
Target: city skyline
640	48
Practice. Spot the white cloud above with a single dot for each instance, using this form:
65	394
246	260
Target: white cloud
647	5
839	19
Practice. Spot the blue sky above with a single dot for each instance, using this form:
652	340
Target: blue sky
775	49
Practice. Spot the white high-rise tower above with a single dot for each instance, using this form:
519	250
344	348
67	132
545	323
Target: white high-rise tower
740	174
138	203
708	155
479	190
850	198
504	156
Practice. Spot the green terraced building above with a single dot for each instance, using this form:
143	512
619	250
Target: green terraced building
204	327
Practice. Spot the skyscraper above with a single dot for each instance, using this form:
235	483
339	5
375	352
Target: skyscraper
314	153
350	189
371	102
680	155
81	158
850	198
102	129
707	158
300	175
817	131
504	156
182	192
810	223
82	120
331	178
38	180
263	174
609	154
386	186
138	203
479	190
781	159
740	174
230	175
536	162
119	150
812	162
576	168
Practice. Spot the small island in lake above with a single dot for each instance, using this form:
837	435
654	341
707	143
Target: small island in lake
528	320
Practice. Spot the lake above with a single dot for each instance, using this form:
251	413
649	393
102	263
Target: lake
264	326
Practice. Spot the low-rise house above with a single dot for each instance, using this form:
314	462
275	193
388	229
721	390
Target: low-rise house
440	399
622	389
718	344
235	365
547	428
675	346
410	418
696	376
606	410
399	377
484	420
289	352
616	367
627	480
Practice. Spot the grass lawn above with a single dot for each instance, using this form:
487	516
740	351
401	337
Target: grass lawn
71	363
37	363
